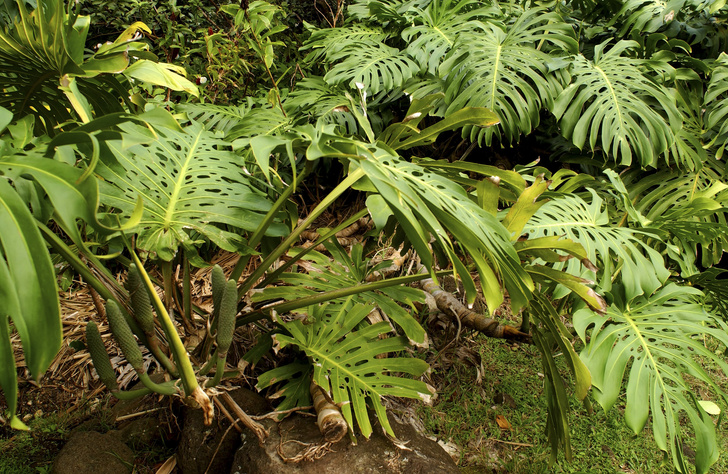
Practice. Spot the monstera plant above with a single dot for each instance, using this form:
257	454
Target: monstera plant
611	242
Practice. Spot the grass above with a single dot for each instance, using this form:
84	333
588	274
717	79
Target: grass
465	414
32	452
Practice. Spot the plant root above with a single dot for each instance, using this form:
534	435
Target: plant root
259	430
452	307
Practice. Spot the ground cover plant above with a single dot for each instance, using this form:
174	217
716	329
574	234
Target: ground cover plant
116	161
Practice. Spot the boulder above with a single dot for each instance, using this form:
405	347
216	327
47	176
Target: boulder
299	440
90	452
199	444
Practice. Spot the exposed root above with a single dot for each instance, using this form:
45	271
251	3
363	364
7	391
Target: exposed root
452	307
260	432
208	409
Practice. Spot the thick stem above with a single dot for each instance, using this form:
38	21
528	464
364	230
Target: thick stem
80	267
286	306
182	359
452	307
284	246
274	275
186	291
255	238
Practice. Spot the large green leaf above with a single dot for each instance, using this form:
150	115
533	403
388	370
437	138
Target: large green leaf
612	104
436	29
28	294
643	269
658	337
327	41
343	349
374	69
188	180
689	207
344	271
427	205
501	69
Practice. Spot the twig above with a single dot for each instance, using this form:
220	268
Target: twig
525	445
140	413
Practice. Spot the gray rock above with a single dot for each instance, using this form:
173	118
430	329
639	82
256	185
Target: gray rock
90	452
377	455
199	443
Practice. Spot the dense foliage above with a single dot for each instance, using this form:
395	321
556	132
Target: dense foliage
109	153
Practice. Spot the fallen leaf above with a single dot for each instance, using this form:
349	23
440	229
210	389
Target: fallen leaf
502	422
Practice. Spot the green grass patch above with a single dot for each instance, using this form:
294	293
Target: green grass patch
466	412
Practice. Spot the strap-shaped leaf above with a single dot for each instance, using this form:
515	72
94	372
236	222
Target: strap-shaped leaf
657	336
345	363
188	179
643	269
28	294
611	104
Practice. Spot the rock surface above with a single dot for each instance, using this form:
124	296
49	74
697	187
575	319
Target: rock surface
199	443
299	437
90	452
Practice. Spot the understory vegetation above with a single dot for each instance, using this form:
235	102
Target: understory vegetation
563	161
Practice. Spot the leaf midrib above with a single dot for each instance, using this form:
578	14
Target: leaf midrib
174	197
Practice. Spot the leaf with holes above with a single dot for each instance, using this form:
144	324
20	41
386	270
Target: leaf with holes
660	339
188	180
642	267
612	104
343	350
343	271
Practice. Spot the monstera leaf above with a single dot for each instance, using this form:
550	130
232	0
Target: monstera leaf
612	104
376	68
689	207
342	348
643	269
659	338
425	204
436	29
345	271
217	118
502	70
322	101
188	180
325	42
